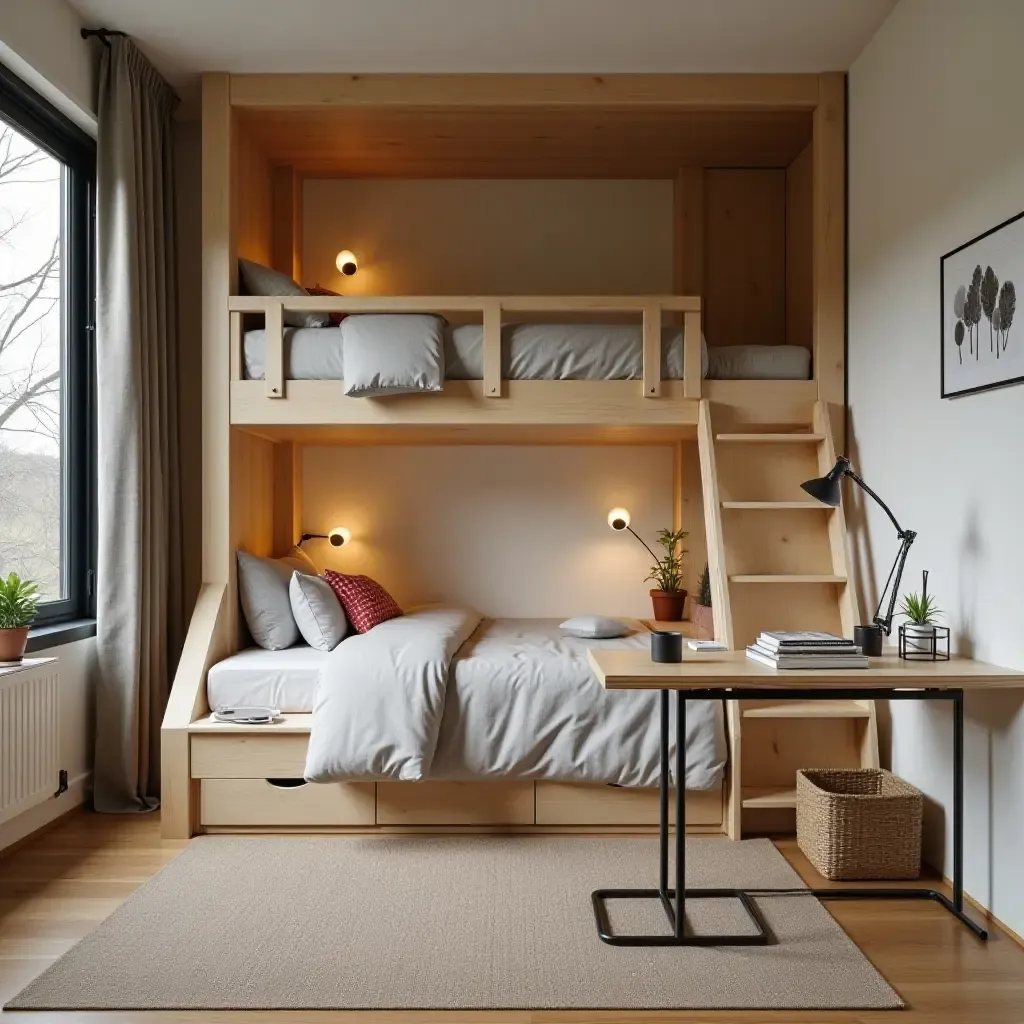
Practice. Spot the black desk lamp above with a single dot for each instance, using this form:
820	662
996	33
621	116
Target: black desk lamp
829	491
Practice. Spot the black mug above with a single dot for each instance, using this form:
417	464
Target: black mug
869	640
666	646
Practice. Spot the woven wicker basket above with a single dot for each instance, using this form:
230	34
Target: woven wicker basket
859	823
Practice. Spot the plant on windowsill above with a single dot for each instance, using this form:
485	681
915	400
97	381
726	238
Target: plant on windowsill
667	573
700	611
921	611
19	601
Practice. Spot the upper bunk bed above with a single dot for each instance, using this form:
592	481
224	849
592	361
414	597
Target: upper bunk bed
756	166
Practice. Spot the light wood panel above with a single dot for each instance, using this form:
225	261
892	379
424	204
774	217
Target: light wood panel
287	495
455	803
829	159
765	471
286	221
468	91
804	605
250	197
62	885
559	803
800	250
775	541
744	297
249	755
716	554
688	231
245	802
252	494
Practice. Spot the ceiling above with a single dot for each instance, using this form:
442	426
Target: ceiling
186	37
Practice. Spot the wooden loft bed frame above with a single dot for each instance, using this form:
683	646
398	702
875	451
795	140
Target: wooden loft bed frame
261	135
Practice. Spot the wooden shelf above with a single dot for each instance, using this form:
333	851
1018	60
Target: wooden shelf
794	438
769	505
810	709
769	798
789	578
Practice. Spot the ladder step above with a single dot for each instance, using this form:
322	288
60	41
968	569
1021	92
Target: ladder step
788	578
797	437
810	709
769	797
777	505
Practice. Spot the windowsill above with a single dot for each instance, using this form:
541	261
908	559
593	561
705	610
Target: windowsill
54	634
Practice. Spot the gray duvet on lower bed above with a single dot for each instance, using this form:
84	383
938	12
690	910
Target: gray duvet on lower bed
542	352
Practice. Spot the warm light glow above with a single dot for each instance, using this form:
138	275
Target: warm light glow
618	518
339	535
346	262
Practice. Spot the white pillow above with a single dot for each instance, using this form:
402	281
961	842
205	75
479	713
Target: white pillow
263	590
392	353
594	627
318	612
260	280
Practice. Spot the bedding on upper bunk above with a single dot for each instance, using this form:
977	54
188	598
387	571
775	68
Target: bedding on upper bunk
529	352
543	352
441	693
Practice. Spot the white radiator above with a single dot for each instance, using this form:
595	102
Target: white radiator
29	723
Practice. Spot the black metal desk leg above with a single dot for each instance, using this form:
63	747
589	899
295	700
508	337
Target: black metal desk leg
958	801
680	773
663	801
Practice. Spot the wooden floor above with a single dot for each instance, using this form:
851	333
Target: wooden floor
56	888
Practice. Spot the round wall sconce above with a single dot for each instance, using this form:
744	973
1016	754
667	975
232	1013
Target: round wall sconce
346	262
618	519
338	536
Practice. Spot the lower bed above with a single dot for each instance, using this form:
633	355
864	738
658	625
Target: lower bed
521	702
542	352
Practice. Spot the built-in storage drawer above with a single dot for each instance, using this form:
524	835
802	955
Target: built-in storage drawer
565	803
284	802
249	755
454	803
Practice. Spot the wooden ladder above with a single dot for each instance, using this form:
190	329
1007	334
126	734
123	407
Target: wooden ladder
778	559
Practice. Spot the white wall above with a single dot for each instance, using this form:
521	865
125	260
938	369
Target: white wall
936	157
507	530
40	40
491	237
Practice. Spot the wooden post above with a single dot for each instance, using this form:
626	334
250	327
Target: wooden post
692	362
652	351
829	175
274	349
492	350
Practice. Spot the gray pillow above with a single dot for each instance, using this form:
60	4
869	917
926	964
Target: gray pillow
594	627
317	611
263	590
392	353
260	280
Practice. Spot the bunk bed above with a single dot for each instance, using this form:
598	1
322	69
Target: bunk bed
523	370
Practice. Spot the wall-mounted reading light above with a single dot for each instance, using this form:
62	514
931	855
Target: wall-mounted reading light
338	536
618	520
346	262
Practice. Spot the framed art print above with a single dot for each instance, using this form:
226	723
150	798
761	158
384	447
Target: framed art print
982	332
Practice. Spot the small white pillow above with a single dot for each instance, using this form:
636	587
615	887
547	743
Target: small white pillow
318	612
594	627
392	353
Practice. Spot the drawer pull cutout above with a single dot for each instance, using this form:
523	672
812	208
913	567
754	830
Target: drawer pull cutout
287	783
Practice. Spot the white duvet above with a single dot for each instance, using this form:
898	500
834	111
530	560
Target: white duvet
442	693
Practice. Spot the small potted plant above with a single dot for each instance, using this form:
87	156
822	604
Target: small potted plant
700	611
667	573
921	612
19	600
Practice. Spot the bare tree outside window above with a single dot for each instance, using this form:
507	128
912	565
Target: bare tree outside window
31	215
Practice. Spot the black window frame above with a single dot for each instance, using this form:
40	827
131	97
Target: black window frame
39	120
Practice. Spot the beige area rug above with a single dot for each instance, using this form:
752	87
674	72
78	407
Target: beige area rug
276	923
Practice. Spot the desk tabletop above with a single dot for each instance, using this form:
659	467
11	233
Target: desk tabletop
623	669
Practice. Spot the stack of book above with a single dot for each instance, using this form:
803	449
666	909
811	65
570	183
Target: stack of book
805	649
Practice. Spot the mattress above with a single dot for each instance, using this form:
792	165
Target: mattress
529	352
285	680
759	362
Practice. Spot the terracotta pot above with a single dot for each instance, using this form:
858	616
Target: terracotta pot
12	643
668	604
703	618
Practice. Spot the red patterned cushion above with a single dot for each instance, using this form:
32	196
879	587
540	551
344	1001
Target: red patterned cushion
317	289
366	602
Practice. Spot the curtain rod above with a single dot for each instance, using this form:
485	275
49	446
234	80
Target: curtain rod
103	34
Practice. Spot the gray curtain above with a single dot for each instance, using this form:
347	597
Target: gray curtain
140	569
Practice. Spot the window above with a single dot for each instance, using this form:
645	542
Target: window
47	432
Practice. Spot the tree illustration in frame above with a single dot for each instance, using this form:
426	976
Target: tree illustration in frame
977	283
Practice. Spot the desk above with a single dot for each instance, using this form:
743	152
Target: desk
730	675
